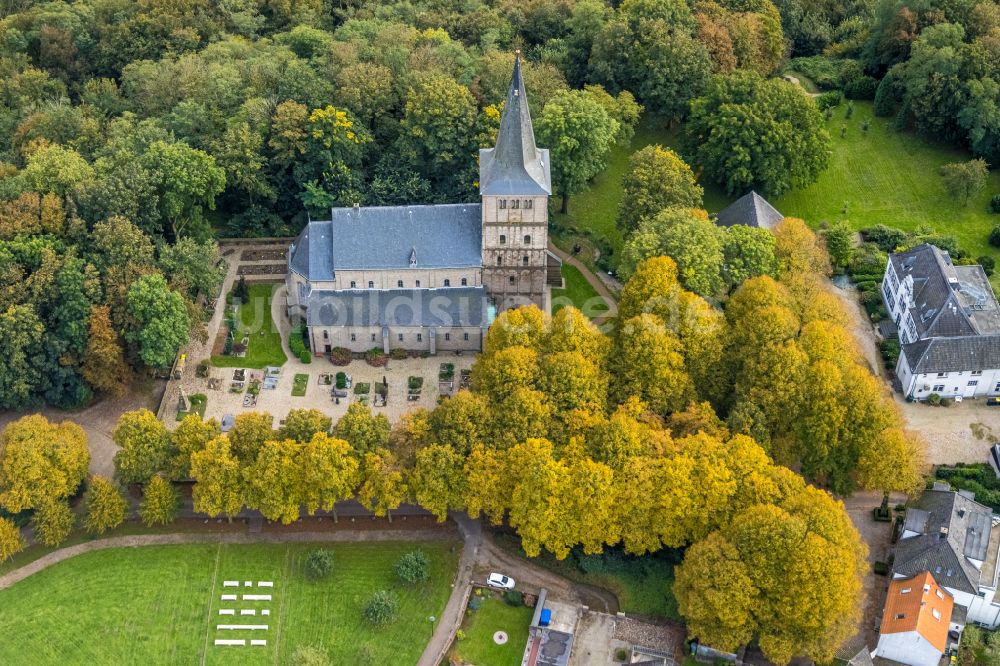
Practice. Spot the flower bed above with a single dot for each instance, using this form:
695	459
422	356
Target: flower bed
376	358
340	356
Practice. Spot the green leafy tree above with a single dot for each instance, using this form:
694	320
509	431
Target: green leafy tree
11	541
748	252
963	180
381	609
53	521
302	424
144	446
106	506
656	178
58	170
413	567
579	134
438	129
159	502
22	347
160	320
690	239
752	133
187	181
41	462
192	267
248	435
318	564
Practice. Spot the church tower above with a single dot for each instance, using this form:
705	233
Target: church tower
515	185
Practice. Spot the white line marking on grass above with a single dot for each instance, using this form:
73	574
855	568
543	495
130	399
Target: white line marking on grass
211	600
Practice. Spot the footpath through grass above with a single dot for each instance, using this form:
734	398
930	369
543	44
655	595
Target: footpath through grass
578	293
159	605
478	646
255	321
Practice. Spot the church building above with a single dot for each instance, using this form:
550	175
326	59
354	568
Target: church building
432	277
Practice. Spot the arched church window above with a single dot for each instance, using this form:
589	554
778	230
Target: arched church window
503	239
524	260
527	240
516	203
503	203
527	203
513	280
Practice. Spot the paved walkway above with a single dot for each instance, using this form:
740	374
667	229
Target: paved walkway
595	282
226	537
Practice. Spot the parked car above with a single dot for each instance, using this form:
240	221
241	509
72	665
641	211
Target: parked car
500	581
993	402
228	421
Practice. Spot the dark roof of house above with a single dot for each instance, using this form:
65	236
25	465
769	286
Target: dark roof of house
751	210
390	237
447	307
970	352
515	165
951	530
948	300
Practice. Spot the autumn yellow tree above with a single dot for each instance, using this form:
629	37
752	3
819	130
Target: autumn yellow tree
302	424
11	541
362	429
461	421
383	485
437	480
190	436
143	446
104	365
53	521
106	506
330	472
248	435
516	327
273	482
651	366
40	461
488	483
159	502
798	249
218	487
538	502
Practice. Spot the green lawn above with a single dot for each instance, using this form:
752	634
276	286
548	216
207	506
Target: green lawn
578	293
479	626
889	177
255	321
299	384
159	605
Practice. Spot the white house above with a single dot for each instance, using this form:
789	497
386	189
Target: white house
915	622
953	537
949	324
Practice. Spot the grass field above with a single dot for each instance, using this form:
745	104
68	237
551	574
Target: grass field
159	605
889	177
479	626
578	293
255	321
299	384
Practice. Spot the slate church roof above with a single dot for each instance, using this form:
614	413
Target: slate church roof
515	165
389	237
952	529
447	307
750	210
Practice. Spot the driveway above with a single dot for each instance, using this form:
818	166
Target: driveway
963	432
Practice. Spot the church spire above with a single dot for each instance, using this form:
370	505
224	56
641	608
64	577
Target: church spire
515	165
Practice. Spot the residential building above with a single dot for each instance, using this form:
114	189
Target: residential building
431	278
751	210
956	539
916	621
949	325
